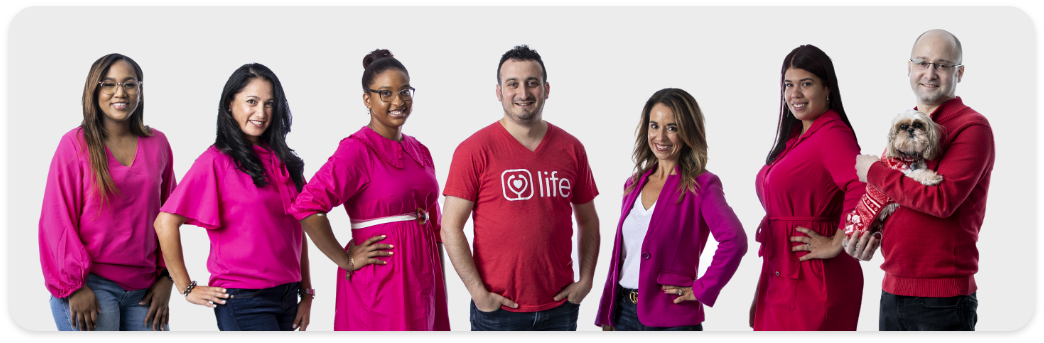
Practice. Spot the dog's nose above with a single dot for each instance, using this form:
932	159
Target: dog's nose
910	131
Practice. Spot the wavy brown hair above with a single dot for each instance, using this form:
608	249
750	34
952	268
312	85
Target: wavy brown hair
693	159
93	126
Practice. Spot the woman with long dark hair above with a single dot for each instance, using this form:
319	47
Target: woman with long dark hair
671	204
805	186
240	190
105	186
390	275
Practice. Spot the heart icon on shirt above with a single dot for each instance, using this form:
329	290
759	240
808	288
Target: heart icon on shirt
518	184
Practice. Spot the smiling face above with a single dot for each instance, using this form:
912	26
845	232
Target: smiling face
388	116
805	93
933	87
663	134
252	108
522	91
119	105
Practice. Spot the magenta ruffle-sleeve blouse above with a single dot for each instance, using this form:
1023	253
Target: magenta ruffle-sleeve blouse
115	240
254	241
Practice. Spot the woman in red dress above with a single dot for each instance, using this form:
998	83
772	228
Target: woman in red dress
806	186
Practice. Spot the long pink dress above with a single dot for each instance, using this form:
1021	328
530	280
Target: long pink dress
376	177
812	183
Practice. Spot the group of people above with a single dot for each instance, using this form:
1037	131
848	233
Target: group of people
110	243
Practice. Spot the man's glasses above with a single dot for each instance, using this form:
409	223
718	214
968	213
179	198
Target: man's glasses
388	96
129	87
945	67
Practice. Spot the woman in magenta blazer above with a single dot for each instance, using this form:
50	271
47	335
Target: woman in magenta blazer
671	204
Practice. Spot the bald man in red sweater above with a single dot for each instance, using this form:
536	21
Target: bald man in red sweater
928	244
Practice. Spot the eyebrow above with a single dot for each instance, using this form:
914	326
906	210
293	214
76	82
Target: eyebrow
125	79
804	79
407	86
943	60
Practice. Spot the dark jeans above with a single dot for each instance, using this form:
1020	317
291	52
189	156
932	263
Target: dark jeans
904	313
561	318
268	309
625	316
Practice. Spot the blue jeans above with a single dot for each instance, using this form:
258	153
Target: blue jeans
561	318
267	309
905	313
118	308
625	316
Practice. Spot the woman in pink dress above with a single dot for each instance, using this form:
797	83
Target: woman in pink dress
100	257
805	186
386	180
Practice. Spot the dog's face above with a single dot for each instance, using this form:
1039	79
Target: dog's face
913	134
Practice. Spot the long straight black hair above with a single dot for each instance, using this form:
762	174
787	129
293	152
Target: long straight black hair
233	142
815	61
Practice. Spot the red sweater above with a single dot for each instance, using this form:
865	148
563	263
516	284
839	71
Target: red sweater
929	242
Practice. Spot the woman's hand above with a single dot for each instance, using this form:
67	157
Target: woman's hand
207	296
158	298
363	255
862	166
304	309
863	249
818	246
685	295
608	328
83	308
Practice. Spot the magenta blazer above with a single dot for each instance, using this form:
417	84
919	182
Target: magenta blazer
671	252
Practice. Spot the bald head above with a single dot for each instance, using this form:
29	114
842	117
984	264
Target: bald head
942	39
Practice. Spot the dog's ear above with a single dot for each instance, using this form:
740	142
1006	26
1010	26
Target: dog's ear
934	133
890	147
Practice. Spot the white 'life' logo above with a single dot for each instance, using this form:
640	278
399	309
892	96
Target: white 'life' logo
518	184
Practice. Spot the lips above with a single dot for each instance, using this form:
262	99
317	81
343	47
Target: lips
398	113
257	123
661	147
929	86
120	105
524	103
798	106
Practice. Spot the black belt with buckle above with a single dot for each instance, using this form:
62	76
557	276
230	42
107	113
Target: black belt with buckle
631	294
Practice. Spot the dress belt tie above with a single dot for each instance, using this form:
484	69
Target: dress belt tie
420	216
767	250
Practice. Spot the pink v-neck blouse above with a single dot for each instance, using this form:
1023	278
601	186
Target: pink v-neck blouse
115	240
254	242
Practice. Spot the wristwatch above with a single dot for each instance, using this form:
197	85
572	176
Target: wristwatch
166	272
306	291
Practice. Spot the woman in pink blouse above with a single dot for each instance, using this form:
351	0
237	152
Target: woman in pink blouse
386	182
806	184
240	190
100	257
670	206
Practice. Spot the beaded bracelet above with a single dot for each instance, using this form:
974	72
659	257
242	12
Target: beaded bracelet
189	288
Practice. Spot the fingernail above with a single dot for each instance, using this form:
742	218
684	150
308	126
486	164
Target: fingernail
391	246
295	326
384	236
391	253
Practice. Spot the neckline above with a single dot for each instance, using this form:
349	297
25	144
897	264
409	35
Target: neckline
516	143
641	206
137	148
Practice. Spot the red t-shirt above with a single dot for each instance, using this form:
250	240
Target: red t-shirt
522	213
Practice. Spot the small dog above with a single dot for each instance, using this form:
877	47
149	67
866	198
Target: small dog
913	139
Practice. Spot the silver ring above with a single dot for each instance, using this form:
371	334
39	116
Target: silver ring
680	291
808	246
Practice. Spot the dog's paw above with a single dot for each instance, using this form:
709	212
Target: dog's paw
926	177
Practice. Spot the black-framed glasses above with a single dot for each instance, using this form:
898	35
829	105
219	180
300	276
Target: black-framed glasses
938	66
388	96
129	87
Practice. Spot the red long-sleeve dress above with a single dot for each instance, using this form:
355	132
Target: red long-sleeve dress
812	184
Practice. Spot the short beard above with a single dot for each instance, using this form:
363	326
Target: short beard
525	119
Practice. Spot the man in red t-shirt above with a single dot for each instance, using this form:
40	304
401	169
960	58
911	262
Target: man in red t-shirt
522	178
928	243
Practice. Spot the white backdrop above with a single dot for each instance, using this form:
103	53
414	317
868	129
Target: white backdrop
602	63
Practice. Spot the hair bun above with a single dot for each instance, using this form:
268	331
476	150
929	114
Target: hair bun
376	55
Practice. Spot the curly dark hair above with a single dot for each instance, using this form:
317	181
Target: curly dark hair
521	53
233	142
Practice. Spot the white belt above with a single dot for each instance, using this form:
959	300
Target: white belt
420	214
